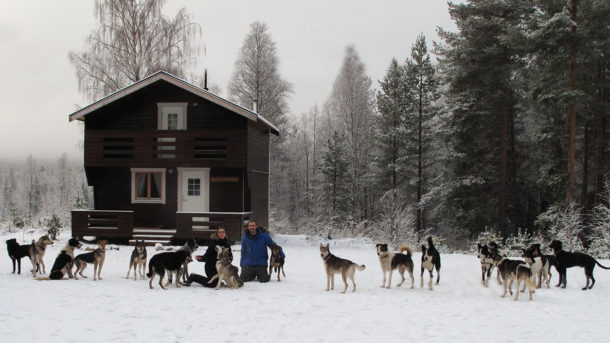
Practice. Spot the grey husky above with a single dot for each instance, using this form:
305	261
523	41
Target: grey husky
226	271
335	265
37	250
514	270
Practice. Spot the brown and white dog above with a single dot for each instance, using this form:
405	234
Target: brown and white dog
390	261
37	250
138	259
276	261
96	257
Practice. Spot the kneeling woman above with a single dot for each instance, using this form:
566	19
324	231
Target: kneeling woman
209	258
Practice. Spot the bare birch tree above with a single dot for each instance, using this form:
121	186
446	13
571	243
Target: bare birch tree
133	40
257	78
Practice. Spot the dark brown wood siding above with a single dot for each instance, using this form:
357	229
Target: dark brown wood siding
139	111
226	190
112	191
258	172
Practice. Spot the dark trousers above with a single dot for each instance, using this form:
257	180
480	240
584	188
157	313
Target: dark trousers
249	273
202	280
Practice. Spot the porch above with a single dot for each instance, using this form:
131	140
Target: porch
118	226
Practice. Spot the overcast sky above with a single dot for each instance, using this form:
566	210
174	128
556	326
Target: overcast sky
39	88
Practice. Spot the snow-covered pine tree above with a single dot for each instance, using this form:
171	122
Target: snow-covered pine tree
480	64
391	136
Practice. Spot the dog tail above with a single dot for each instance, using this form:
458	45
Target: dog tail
150	270
599	264
527	272
431	241
407	249
360	268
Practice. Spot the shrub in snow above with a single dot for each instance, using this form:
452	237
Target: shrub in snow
490	234
563	222
516	243
53	226
600	225
396	223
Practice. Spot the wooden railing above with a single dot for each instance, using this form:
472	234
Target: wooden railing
99	223
201	224
119	224
222	148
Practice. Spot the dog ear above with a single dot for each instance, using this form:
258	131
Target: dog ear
423	249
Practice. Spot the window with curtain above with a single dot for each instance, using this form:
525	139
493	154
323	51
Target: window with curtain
148	186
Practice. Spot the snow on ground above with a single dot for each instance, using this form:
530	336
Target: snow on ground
297	309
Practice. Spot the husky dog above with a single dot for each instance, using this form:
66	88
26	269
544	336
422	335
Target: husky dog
565	260
170	261
540	265
535	264
276	261
96	257
390	261
63	262
37	250
335	265
547	262
487	266
430	259
495	257
16	252
226	271
512	270
138	259
190	246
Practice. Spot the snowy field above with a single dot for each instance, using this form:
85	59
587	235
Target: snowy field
296	309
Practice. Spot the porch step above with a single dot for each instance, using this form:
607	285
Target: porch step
152	236
152	230
151	242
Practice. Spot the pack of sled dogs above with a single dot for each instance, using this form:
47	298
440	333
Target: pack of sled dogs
534	269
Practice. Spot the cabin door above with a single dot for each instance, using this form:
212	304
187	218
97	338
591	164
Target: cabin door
194	194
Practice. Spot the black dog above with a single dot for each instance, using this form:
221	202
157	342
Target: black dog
565	259
16	252
167	261
430	260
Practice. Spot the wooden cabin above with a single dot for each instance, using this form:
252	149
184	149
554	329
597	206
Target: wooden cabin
168	161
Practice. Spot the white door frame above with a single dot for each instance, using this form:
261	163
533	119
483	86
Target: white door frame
180	174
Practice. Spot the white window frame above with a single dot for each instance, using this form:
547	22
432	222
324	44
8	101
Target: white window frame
162	112
134	199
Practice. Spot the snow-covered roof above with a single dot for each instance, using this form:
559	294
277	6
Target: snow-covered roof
162	75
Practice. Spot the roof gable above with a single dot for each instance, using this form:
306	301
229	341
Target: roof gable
162	75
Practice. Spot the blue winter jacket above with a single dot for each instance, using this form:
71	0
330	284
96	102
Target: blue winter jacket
254	248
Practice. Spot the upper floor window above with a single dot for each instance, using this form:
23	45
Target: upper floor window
172	115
